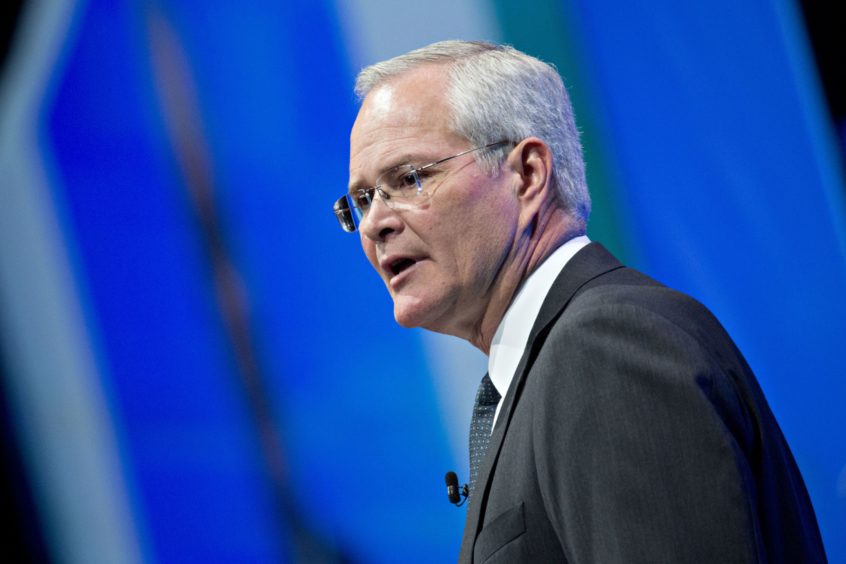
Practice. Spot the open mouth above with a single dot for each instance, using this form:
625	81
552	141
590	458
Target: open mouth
401	264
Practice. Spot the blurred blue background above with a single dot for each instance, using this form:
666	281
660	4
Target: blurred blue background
198	364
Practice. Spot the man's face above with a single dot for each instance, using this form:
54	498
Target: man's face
440	261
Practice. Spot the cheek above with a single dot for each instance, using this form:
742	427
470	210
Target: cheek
463	246
485	240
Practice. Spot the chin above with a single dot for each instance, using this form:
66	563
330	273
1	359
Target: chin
410	312
405	318
434	314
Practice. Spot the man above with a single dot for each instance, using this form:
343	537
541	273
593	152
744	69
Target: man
618	422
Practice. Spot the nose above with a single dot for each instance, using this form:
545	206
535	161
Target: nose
380	221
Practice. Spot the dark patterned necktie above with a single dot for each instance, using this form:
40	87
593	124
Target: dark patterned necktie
487	399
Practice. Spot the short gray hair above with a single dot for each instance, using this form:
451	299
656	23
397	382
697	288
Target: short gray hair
498	93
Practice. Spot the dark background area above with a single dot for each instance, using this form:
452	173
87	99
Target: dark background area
825	25
21	539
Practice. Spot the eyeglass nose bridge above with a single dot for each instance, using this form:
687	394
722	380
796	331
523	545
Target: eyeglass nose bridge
370	200
383	195
359	210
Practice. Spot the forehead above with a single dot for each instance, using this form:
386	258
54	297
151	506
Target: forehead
404	118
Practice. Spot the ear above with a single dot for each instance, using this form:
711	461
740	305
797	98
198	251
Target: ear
531	160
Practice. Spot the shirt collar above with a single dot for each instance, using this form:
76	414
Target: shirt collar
511	336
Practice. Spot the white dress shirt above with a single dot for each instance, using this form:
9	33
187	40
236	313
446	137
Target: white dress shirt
511	336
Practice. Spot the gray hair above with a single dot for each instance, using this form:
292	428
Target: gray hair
498	93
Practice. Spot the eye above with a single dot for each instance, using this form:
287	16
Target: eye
362	198
408	179
400	182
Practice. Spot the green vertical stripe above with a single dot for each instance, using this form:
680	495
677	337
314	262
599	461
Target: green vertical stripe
540	28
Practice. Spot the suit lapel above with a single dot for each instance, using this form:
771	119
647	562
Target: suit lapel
592	261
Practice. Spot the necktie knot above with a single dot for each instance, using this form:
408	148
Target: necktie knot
486	394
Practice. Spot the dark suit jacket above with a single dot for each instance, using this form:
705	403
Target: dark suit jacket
634	431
